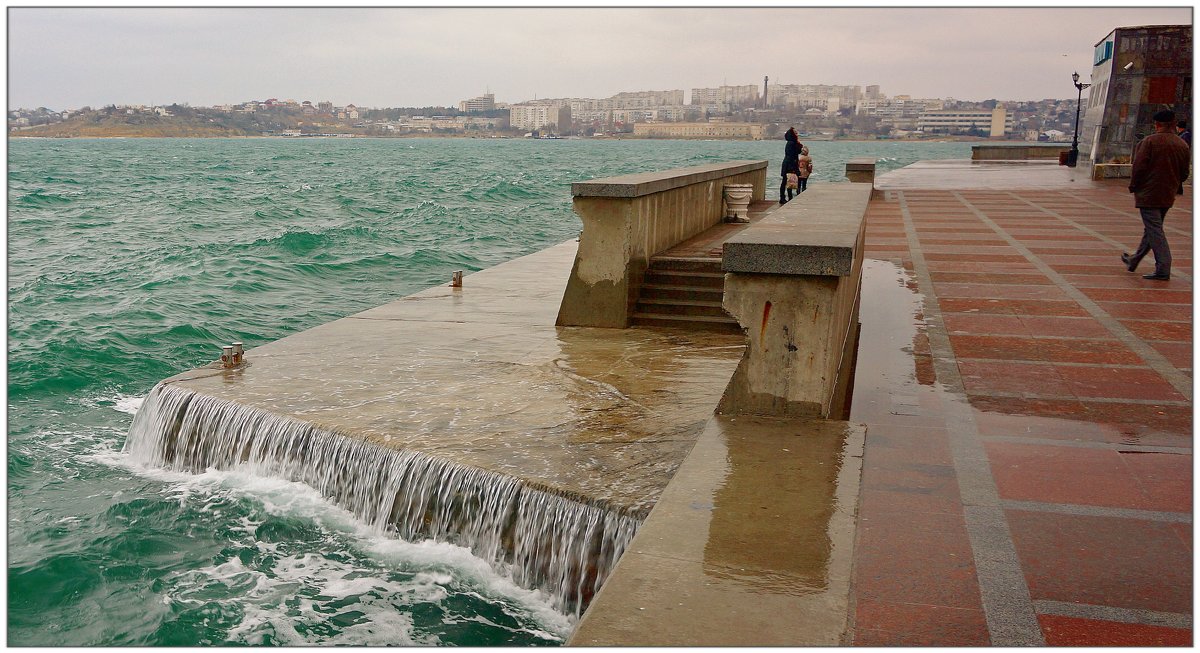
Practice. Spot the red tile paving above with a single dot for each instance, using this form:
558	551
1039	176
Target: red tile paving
1053	474
1110	561
1178	354
1071	631
1144	311
1140	295
992	377
1013	307
914	624
937	569
1065	489
1064	326
1112	383
1170	331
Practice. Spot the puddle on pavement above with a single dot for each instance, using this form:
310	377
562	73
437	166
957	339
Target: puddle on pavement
895	377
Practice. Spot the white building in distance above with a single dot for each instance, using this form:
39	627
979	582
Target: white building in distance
826	97
540	114
486	102
733	96
996	122
647	99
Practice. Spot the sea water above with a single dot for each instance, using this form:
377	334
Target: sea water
132	260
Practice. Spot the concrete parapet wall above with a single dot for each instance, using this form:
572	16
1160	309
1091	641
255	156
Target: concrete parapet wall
1112	171
792	282
1017	151
711	567
861	170
630	218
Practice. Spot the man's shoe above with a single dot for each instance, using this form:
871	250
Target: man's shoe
1129	264
1157	277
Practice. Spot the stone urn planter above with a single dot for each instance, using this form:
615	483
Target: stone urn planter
737	202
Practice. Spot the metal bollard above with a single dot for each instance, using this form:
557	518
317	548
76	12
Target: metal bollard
456	279
238	353
227	356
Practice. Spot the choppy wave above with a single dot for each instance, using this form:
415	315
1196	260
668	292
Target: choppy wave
40	198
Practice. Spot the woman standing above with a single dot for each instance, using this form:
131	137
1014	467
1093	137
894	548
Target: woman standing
805	168
791	163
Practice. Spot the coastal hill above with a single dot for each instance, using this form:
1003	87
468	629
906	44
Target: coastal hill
175	120
117	126
184	121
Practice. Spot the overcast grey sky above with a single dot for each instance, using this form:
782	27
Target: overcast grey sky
65	58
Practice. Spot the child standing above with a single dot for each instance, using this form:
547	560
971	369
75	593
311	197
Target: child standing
806	167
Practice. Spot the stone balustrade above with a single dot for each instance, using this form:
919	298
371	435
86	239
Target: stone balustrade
792	282
1018	151
861	170
1102	171
628	219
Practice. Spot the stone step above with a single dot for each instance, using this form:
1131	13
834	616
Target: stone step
687	293
696	264
680	307
691	322
683	278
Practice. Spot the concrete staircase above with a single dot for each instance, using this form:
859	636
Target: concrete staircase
684	292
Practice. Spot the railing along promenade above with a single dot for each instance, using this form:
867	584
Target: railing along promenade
630	218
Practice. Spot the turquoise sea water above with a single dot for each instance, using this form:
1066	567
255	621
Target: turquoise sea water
132	260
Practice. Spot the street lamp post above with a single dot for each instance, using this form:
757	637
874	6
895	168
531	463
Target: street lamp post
1073	155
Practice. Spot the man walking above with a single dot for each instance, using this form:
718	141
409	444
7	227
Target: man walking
1160	166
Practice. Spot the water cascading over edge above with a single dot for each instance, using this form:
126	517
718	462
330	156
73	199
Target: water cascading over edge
550	542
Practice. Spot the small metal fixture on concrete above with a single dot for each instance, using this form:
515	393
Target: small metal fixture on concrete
238	353
737	201
227	356
456	279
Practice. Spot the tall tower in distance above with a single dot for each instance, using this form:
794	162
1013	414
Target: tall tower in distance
765	105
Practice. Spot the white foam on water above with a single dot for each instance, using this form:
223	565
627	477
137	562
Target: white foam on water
263	595
122	403
127	405
539	539
297	598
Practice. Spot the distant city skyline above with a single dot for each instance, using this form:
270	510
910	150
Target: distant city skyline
398	57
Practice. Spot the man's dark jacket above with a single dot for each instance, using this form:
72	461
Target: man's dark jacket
1160	166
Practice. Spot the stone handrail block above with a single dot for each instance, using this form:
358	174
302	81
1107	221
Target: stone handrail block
861	170
646	183
862	163
815	234
1017	151
629	219
1112	171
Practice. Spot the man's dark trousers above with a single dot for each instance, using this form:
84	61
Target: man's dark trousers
1153	239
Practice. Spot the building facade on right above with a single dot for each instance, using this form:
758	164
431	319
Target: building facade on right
1136	72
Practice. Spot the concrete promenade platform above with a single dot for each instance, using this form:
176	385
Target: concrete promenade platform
1027	473
479	375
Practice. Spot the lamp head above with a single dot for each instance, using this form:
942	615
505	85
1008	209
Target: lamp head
1075	77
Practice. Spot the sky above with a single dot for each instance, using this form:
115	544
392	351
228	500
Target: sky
65	58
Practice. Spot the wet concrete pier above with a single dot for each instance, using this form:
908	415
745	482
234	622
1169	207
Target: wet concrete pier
480	375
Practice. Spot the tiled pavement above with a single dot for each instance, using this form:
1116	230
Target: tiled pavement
1030	479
